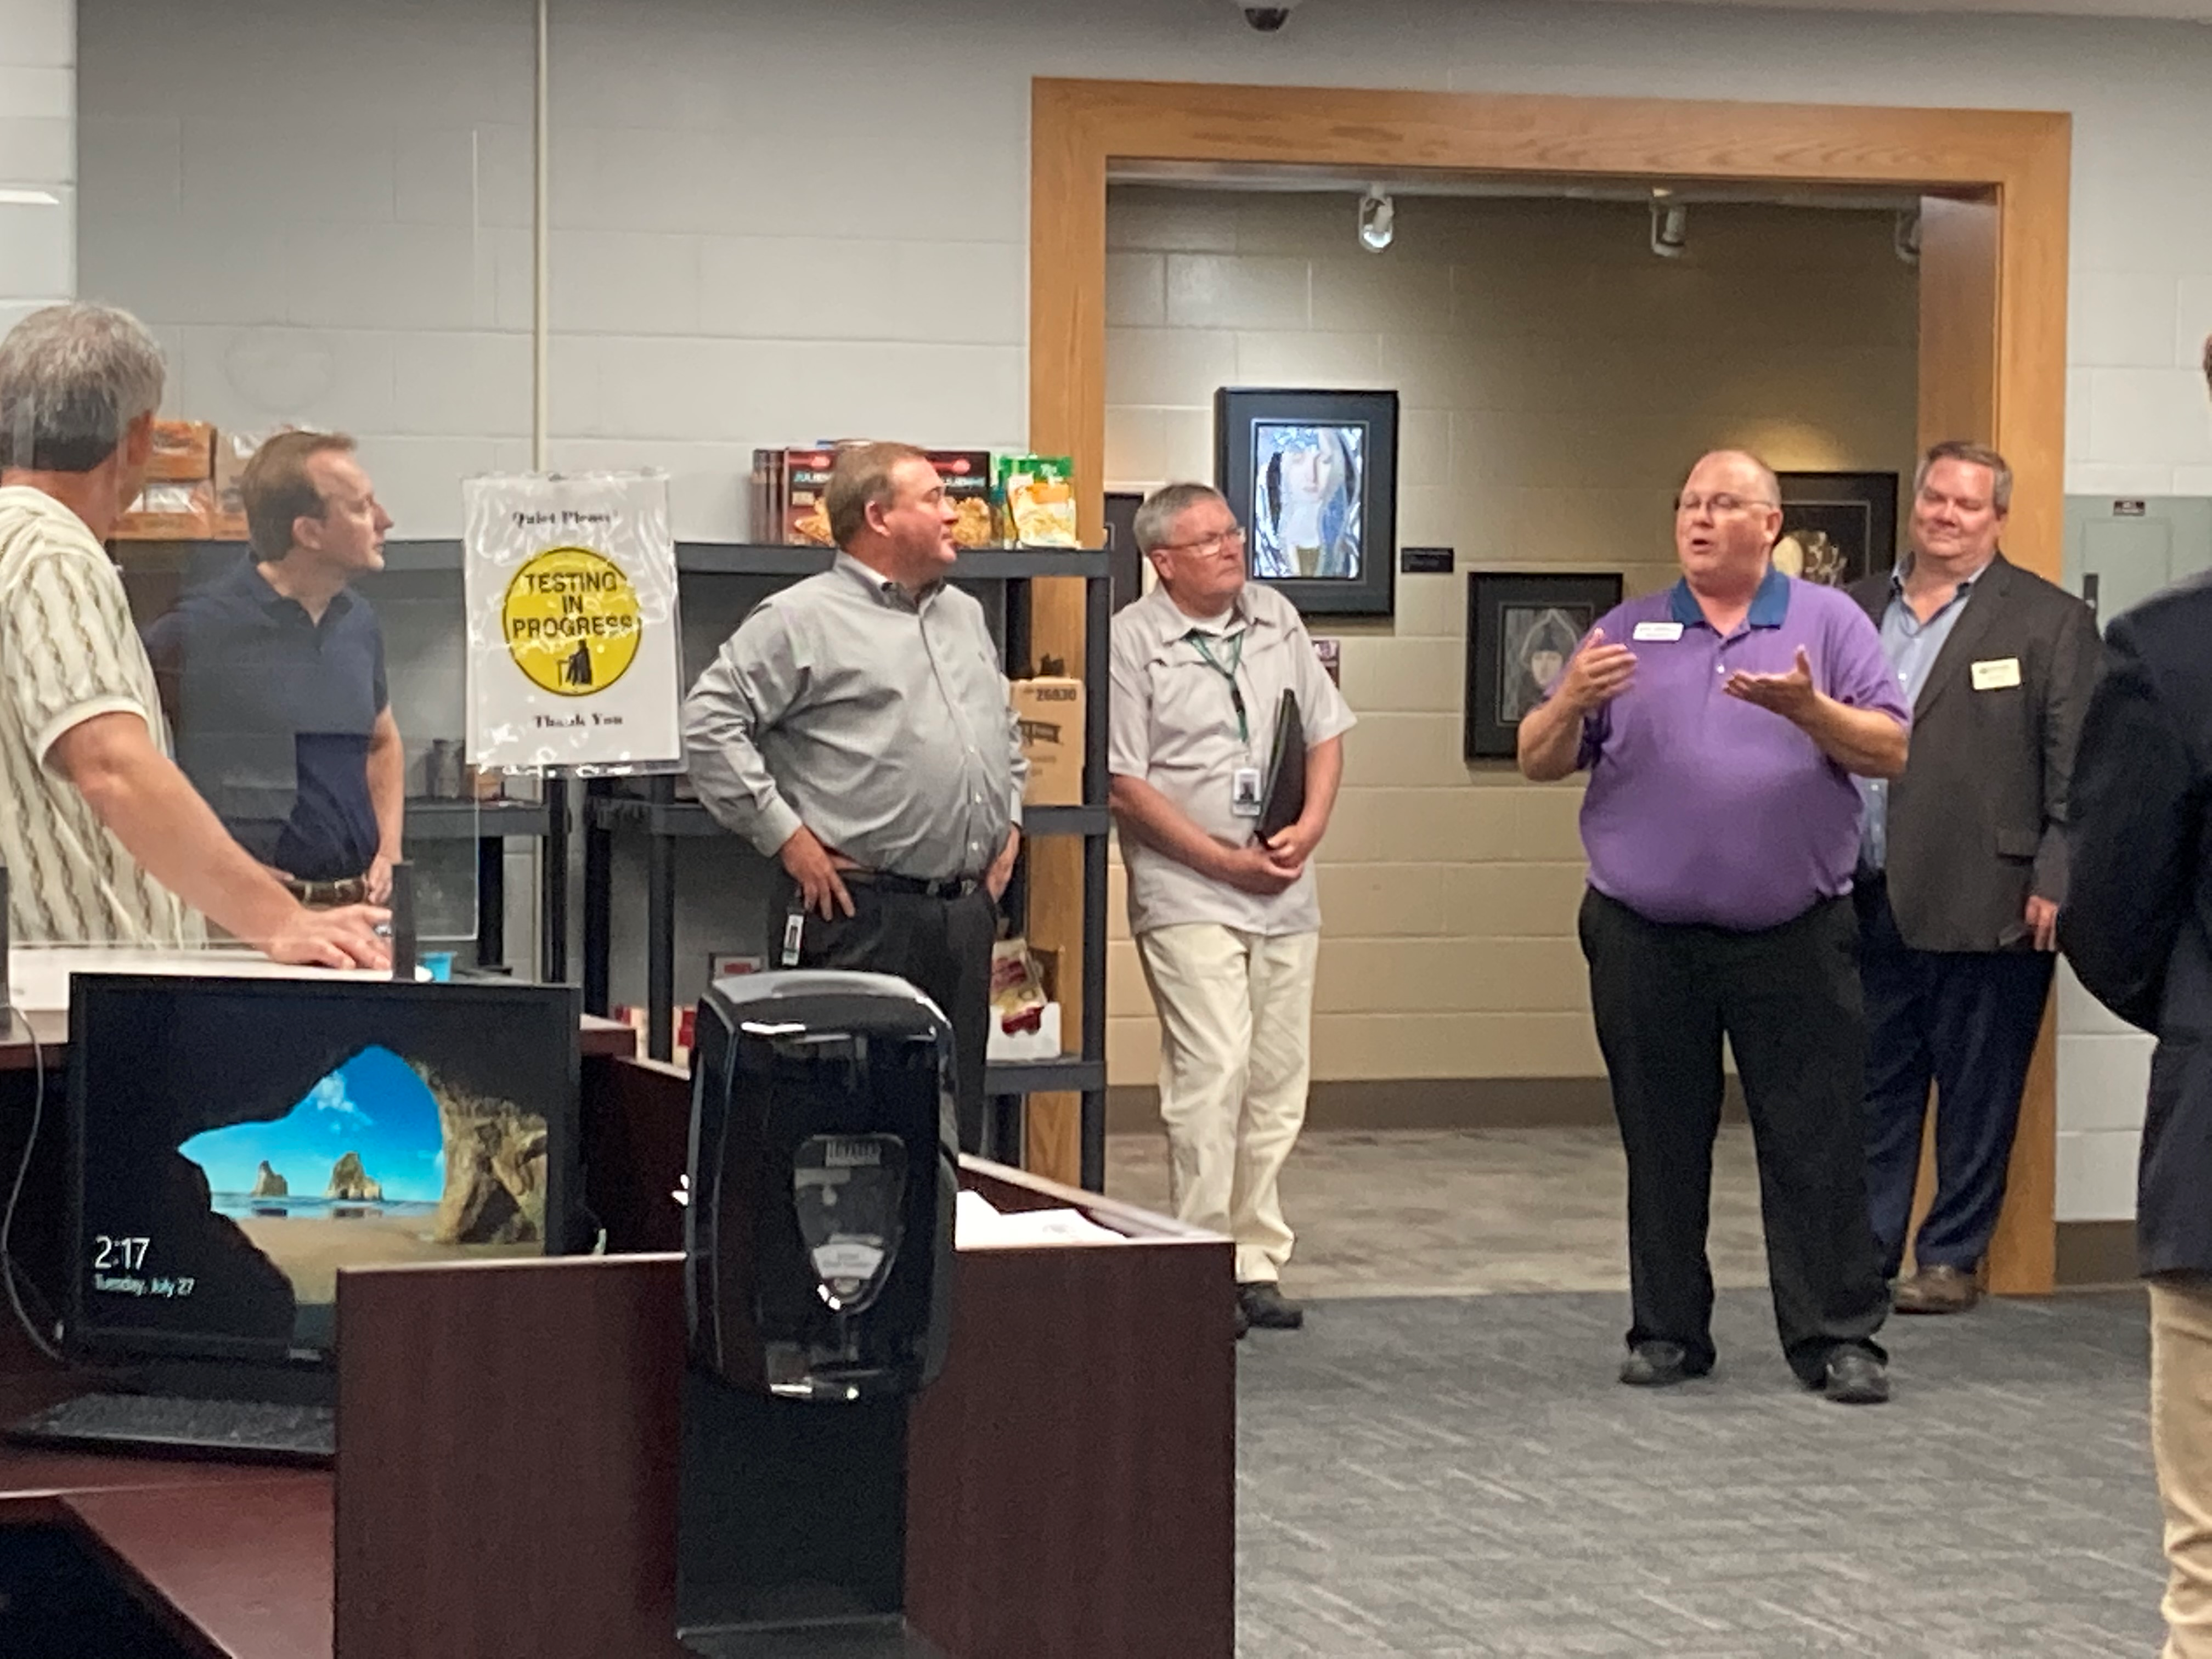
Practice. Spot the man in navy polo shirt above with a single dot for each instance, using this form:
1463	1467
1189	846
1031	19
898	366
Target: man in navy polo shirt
273	675
1722	721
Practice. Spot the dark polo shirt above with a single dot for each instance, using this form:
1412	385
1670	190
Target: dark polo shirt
273	714
1705	809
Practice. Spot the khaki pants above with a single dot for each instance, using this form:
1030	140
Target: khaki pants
1236	1041
2181	1439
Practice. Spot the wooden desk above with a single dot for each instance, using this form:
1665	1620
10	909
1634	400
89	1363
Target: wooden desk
509	1452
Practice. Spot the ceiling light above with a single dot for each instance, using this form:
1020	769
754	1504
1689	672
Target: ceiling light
1670	228
1378	220
29	198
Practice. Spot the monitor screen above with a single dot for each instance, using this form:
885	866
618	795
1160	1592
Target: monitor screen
235	1142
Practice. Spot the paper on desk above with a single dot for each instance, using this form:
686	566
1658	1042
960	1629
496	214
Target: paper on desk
978	1225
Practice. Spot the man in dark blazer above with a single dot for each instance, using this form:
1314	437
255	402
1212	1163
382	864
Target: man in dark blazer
2137	927
1962	864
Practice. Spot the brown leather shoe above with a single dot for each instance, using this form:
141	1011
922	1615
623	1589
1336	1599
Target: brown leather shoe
1937	1291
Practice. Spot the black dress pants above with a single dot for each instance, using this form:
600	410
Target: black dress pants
1788	1001
939	946
1967	1021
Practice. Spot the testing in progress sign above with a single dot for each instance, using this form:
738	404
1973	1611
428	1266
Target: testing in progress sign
572	641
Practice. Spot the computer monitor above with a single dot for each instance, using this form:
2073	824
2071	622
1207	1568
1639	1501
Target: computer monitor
234	1142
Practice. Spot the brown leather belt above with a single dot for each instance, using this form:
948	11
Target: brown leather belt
330	894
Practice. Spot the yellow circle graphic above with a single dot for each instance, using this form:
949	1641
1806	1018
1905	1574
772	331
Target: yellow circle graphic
571	621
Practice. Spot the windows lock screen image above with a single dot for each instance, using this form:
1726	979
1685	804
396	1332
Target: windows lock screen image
226	1182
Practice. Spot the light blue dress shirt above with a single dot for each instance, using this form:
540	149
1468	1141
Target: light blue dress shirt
1912	647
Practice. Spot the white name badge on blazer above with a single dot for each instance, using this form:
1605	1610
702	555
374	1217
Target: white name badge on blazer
1997	674
1658	630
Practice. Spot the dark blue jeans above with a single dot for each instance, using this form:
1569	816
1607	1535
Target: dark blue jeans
1966	1021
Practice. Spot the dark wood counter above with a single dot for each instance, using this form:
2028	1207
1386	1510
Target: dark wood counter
601	1039
509	1454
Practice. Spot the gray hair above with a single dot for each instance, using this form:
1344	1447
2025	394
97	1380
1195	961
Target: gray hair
1971	454
1155	522
72	380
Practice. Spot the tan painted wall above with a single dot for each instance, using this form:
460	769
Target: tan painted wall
1556	378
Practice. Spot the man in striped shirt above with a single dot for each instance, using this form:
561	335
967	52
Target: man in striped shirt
105	840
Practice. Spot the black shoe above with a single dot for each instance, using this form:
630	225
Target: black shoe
1262	1303
1243	1323
1856	1377
1656	1364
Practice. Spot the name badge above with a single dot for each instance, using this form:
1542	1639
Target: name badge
1665	631
1244	792
1997	674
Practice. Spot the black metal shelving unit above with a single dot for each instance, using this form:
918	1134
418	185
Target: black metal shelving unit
654	812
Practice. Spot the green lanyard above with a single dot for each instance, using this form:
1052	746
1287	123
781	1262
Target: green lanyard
1235	662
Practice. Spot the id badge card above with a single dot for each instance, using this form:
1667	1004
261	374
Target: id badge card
1244	792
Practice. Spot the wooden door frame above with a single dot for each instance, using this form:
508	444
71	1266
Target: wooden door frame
2018	161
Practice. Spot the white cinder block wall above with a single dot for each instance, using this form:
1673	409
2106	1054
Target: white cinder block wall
779	222
38	153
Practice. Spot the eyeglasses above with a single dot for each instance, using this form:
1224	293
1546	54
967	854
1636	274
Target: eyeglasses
1720	507
1232	537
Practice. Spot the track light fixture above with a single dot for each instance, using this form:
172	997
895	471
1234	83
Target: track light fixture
1378	219
1904	238
1670	226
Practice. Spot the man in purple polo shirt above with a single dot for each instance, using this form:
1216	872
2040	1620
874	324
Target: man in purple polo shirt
1721	722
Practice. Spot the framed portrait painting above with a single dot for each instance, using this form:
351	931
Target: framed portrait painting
1837	526
1522	628
1313	477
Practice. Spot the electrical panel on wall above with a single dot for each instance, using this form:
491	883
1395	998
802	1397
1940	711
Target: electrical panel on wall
2122	549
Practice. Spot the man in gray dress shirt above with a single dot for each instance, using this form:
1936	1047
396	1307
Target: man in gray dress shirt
856	728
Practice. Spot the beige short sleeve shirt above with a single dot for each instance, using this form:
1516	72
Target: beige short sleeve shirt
68	653
1174	725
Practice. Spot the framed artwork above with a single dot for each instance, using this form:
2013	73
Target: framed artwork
1522	628
1313	477
1837	526
1125	565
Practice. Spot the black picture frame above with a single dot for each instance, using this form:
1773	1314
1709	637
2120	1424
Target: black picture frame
1349	505
1125	565
1517	622
1837	526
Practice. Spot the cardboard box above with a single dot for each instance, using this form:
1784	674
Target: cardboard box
1050	713
169	513
184	452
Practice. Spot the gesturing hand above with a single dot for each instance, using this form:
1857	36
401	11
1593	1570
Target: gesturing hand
1599	672
1792	696
814	869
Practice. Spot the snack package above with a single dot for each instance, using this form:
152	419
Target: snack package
1025	1019
791	496
233	450
968	486
184	452
1037	500
169	513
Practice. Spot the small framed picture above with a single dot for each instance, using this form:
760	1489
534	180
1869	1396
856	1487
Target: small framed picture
1522	628
1313	477
1837	526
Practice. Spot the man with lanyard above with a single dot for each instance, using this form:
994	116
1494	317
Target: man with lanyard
856	728
273	675
1227	925
1962	864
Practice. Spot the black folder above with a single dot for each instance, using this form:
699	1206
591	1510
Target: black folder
1283	797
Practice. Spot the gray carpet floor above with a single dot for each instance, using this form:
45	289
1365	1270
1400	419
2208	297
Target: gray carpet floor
1463	1476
